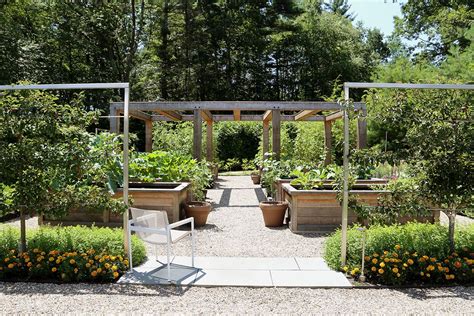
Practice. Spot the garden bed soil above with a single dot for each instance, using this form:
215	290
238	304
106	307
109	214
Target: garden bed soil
320	211
162	196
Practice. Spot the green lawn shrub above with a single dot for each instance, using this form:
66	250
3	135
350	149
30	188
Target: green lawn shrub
67	254
406	254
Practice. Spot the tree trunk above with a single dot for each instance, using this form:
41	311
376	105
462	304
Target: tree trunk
452	220
22	246
163	51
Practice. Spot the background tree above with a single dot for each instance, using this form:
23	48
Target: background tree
340	7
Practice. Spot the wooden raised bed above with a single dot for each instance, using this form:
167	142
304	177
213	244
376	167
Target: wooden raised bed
279	193
320	211
163	196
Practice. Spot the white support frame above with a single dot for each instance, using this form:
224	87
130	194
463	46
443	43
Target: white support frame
375	85
94	86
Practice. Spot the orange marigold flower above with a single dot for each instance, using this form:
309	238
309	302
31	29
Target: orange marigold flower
446	269
10	266
367	258
116	275
433	259
397	247
410	261
458	264
94	273
381	271
374	261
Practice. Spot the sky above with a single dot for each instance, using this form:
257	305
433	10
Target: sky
376	13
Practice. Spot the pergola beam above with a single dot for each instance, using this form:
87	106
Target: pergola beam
235	105
174	116
207	116
334	116
305	114
267	116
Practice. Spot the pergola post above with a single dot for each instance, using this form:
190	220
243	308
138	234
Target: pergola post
197	135
114	120
148	136
209	140
362	129
266	137
328	142
276	131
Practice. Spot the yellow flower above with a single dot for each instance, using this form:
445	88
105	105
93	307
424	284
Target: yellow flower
99	270
382	264
7	259
374	269
54	269
36	250
422	273
107	265
395	270
113	258
446	269
397	247
125	262
94	273
10	266
405	265
29	264
410	261
433	259
381	271
367	258
72	261
88	265
428	275
374	261
51	259
386	259
375	254
114	268
76	270
116	275
58	261
345	268
398	275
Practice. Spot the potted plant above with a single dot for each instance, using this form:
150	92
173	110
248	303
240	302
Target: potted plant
199	208
273	212
255	175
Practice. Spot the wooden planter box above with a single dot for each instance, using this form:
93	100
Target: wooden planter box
279	193
163	196
320	211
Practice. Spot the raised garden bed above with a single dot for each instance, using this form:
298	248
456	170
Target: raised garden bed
320	211
279	194
163	196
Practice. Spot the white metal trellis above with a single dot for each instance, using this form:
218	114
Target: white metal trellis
370	85
94	86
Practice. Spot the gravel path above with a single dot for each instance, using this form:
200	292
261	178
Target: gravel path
31	298
235	227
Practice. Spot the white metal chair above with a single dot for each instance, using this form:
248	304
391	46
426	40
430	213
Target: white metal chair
153	228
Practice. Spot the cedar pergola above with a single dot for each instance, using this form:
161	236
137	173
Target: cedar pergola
217	111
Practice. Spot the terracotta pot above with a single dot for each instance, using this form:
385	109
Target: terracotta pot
255	178
198	210
273	212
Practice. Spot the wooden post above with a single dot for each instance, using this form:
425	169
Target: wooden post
197	136
149	136
266	137
362	130
209	151
328	142
114	121
276	133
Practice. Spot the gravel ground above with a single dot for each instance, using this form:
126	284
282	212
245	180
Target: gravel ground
21	298
235	227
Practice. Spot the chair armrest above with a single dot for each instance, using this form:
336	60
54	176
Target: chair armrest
160	231
182	222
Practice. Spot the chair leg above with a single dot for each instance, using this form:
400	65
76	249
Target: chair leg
192	248
168	258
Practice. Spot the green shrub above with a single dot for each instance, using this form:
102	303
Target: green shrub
424	244
67	254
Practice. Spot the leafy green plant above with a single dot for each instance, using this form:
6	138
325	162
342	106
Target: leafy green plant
312	179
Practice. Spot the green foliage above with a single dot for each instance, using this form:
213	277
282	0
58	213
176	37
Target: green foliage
430	240
49	163
172	167
312	179
237	141
174	137
72	239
